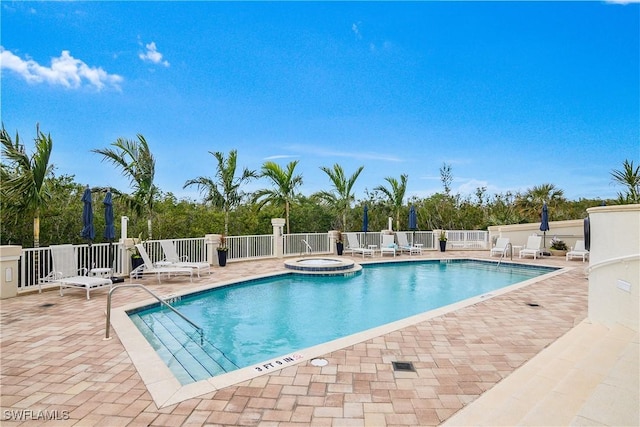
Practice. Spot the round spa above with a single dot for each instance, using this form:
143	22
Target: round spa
324	265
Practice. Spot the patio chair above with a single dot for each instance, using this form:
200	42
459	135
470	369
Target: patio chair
532	247
353	245
501	246
388	245
171	257
403	244
68	275
578	251
149	268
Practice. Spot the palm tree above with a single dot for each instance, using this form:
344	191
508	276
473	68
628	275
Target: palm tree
138	164
284	186
395	194
341	197
531	201
25	186
223	192
629	177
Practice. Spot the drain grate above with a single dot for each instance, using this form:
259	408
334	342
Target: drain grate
403	366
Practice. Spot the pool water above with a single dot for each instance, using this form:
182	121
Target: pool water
258	320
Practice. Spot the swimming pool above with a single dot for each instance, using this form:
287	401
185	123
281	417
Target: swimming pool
255	321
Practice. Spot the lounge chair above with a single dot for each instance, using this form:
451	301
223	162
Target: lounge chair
501	246
578	251
149	268
388	245
171	257
68	275
532	247
403	244
353	245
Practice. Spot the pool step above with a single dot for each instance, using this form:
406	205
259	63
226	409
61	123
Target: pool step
178	345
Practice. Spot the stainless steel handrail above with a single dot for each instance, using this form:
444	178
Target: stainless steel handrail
136	285
510	246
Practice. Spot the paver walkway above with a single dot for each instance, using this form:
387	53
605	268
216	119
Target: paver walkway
54	362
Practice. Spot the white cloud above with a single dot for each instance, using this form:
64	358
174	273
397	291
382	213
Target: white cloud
356	30
321	152
280	156
152	55
65	70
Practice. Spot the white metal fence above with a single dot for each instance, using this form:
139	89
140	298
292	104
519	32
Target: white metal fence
36	263
467	239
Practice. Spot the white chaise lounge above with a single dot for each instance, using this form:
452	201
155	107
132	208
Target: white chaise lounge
578	251
532	247
68	275
171	256
388	245
501	246
148	268
403	244
353	245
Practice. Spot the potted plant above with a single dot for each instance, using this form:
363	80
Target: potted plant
136	258
443	241
222	251
558	247
339	243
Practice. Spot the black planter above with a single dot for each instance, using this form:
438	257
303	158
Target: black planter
443	245
135	263
339	247
222	258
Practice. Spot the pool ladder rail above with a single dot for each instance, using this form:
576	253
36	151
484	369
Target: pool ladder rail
507	246
160	300
308	247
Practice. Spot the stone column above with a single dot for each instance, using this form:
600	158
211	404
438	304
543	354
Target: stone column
211	243
278	239
9	257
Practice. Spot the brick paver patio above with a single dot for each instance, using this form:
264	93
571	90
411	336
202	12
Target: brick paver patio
54	360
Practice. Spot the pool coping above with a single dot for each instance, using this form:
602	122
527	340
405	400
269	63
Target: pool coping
166	390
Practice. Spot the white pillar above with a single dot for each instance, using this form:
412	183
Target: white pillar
211	243
333	238
278	239
124	221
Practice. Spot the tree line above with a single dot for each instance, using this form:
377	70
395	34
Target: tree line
39	207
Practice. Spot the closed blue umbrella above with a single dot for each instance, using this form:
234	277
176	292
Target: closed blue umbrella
413	219
544	223
413	222
365	219
109	228
88	232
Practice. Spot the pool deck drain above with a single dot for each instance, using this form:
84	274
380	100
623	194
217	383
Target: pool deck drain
458	356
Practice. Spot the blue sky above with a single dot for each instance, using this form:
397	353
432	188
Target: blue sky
510	94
